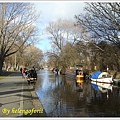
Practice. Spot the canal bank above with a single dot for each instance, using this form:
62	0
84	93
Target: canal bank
36	103
18	99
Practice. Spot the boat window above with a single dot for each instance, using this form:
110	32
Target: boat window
104	88
77	72
104	76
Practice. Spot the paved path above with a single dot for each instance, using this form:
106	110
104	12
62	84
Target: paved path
18	99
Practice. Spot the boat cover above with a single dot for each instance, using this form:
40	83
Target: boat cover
95	75
99	74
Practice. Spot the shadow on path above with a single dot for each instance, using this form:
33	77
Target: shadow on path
15	91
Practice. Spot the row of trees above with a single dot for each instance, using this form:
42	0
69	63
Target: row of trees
17	32
92	39
102	20
29	57
69	46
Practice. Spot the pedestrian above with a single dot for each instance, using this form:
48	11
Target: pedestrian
21	70
23	73
57	71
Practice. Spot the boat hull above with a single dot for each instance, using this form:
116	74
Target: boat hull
72	76
103	80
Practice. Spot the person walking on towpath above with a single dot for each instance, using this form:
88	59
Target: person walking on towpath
21	70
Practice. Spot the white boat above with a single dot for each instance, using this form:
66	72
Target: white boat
103	80
102	77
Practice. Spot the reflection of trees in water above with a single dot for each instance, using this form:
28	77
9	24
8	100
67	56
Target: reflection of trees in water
101	105
66	101
60	95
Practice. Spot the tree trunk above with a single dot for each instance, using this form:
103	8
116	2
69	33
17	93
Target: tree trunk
1	65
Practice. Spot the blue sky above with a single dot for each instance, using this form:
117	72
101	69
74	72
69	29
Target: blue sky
51	11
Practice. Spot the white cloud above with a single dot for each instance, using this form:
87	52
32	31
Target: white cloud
52	10
59	9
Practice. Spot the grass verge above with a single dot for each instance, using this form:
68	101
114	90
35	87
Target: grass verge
5	74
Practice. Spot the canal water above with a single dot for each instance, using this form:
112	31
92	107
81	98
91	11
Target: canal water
61	97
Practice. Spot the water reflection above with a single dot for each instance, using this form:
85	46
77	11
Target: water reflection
61	96
102	87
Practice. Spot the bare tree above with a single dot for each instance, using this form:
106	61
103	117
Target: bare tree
62	33
16	27
102	21
32	56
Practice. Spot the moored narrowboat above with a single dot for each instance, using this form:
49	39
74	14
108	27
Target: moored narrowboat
75	72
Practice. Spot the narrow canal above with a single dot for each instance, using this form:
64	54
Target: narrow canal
61	97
